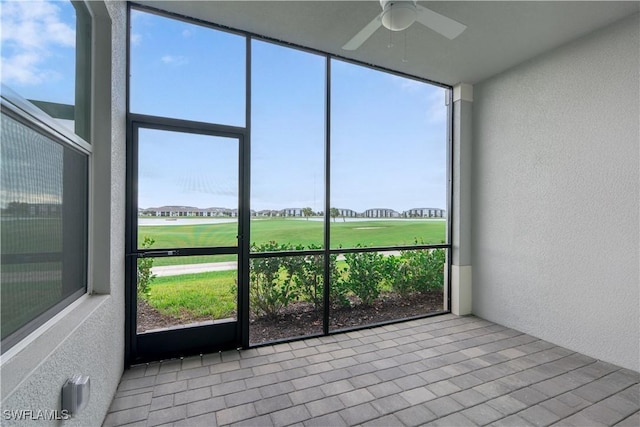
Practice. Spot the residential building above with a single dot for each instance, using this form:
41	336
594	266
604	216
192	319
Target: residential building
424	213
381	213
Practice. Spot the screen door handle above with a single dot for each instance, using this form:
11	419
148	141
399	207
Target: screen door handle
158	253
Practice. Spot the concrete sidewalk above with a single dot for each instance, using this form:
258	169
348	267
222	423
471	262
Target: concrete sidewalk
176	270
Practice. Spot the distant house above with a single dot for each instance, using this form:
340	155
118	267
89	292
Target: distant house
33	209
267	213
381	213
424	213
173	211
348	213
188	211
222	212
216	212
291	212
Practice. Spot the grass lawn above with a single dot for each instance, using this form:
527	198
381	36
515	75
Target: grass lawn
22	300
31	235
386	233
295	231
187	296
212	294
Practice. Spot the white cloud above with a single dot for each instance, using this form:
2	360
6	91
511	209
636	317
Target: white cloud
136	39
23	69
174	60
186	33
31	31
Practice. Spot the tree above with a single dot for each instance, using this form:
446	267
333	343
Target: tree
307	212
334	212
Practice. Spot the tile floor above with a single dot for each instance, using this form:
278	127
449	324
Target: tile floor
440	371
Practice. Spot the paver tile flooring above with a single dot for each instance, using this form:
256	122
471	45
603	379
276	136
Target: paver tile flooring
441	371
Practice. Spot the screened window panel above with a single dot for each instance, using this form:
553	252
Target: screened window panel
388	159
44	227
186	71
287	147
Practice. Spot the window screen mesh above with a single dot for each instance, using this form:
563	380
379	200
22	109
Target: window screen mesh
43	231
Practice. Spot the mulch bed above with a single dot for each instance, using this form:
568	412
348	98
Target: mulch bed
149	318
300	318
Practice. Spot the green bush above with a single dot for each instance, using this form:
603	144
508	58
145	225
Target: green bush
272	288
307	272
364	274
419	271
338	288
278	281
145	277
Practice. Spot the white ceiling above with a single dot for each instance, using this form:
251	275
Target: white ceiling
499	35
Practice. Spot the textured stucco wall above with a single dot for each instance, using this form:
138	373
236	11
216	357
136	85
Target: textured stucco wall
555	248
87	339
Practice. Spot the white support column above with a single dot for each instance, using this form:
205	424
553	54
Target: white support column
461	291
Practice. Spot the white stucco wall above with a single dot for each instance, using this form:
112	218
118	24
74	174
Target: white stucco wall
555	228
87	338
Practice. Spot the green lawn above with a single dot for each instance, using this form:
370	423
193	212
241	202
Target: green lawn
31	235
24	297
298	232
213	295
386	233
210	294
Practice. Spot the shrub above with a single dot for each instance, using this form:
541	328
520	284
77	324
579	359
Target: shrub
307	275
271	285
419	271
364	274
338	288
144	275
278	281
398	275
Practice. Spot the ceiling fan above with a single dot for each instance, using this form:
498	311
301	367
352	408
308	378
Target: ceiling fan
398	15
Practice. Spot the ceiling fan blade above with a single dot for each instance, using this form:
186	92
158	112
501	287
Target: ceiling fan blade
439	23
363	35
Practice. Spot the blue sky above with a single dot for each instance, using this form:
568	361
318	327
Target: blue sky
38	56
38	60
388	133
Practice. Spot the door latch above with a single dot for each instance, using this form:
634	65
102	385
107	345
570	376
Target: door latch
158	253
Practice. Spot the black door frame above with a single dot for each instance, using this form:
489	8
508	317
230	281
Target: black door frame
198	339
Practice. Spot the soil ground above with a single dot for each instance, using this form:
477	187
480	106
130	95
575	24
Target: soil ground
301	319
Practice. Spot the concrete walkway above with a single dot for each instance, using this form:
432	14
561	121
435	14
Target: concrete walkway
176	270
439	371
